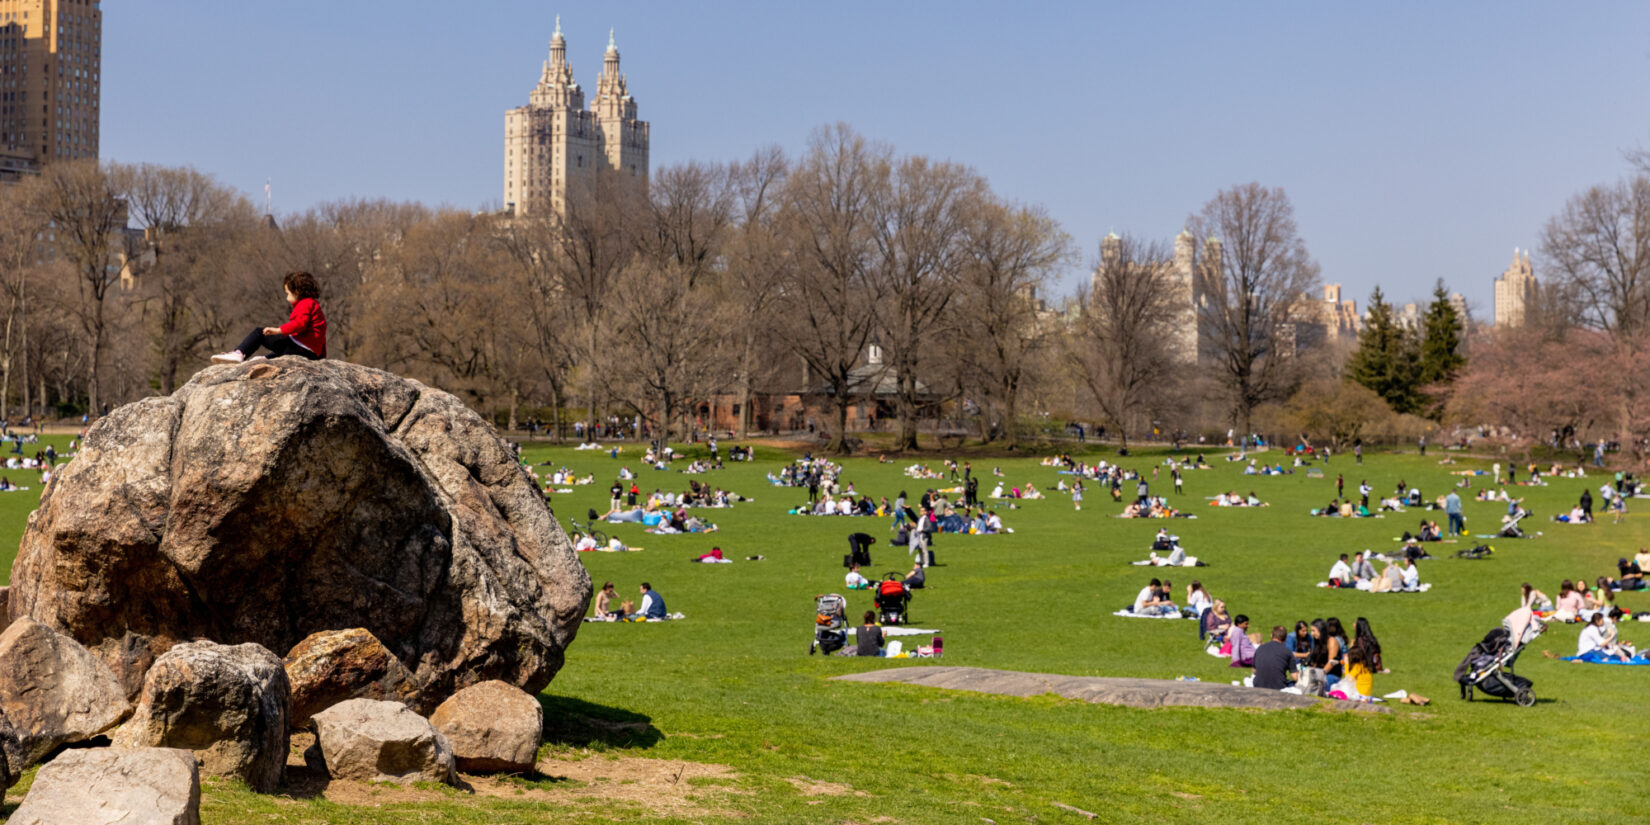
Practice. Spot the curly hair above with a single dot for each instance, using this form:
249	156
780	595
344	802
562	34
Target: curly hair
302	284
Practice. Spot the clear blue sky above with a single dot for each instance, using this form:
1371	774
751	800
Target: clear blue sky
1417	140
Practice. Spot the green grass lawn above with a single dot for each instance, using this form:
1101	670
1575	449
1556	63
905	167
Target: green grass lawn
733	684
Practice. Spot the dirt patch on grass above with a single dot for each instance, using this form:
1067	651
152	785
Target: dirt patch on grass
664	787
814	787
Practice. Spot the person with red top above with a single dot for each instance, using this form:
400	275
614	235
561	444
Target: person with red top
303	334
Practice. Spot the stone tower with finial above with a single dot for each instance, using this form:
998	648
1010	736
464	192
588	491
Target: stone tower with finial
555	148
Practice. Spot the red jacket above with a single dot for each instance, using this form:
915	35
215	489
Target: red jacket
308	325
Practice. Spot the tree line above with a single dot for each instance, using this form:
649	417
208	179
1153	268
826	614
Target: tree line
778	274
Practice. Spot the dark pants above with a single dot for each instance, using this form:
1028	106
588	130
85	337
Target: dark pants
278	345
1457	525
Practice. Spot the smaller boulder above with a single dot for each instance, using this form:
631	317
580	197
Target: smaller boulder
368	740
337	665
493	727
147	786
53	691
226	703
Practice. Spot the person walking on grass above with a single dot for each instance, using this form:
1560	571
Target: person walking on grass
304	333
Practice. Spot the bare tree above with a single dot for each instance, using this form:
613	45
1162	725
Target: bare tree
548	318
1122	347
20	248
920	218
830	299
1251	281
191	291
1598	248
1011	252
754	256
88	222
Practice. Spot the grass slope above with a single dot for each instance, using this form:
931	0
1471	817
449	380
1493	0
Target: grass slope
733	685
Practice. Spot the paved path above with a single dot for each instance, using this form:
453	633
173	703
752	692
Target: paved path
1136	693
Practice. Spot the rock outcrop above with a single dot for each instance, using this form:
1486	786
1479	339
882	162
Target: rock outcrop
371	741
337	665
5	612
147	786
227	704
265	502
493	727
53	691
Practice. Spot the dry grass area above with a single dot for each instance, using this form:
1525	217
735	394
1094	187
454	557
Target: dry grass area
663	787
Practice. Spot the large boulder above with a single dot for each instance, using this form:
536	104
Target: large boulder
492	726
53	691
5	612
265	502
372	741
227	704
329	667
149	786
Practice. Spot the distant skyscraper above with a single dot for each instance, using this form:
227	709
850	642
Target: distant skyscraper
51	54
554	146
1513	292
1183	331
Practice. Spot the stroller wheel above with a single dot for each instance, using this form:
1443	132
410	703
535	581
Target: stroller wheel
811	649
1525	698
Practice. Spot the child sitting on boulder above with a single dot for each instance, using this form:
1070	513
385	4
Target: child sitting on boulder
305	330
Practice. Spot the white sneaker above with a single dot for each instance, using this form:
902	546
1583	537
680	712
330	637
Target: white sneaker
233	356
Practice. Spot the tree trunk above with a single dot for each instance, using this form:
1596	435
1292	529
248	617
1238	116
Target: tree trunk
1011	418
515	396
555	408
839	439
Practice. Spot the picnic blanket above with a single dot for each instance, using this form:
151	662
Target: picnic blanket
1596	657
1425	586
1189	561
671	617
1130	614
903	631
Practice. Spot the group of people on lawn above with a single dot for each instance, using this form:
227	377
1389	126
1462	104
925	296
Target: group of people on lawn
651	609
1359	573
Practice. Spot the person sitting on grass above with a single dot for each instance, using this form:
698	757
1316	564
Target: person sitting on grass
1243	647
1570	602
856	580
1301	642
1152	601
868	638
1598	642
1632	576
304	333
653	606
1340	574
1359	684
604	603
916	578
1535	600
1216	622
1273	661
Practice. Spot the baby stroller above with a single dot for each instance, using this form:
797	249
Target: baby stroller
893	605
1511	530
1489	666
830	624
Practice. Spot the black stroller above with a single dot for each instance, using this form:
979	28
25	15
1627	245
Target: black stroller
1489	666
894	606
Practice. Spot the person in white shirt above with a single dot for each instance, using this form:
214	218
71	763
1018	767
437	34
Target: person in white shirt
1152	602
1341	572
1197	598
1596	636
856	580
1412	576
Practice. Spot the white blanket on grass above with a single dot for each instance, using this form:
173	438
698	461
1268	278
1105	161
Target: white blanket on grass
1130	614
902	631
1189	561
1364	586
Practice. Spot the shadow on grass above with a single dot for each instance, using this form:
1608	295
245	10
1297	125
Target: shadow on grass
575	722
